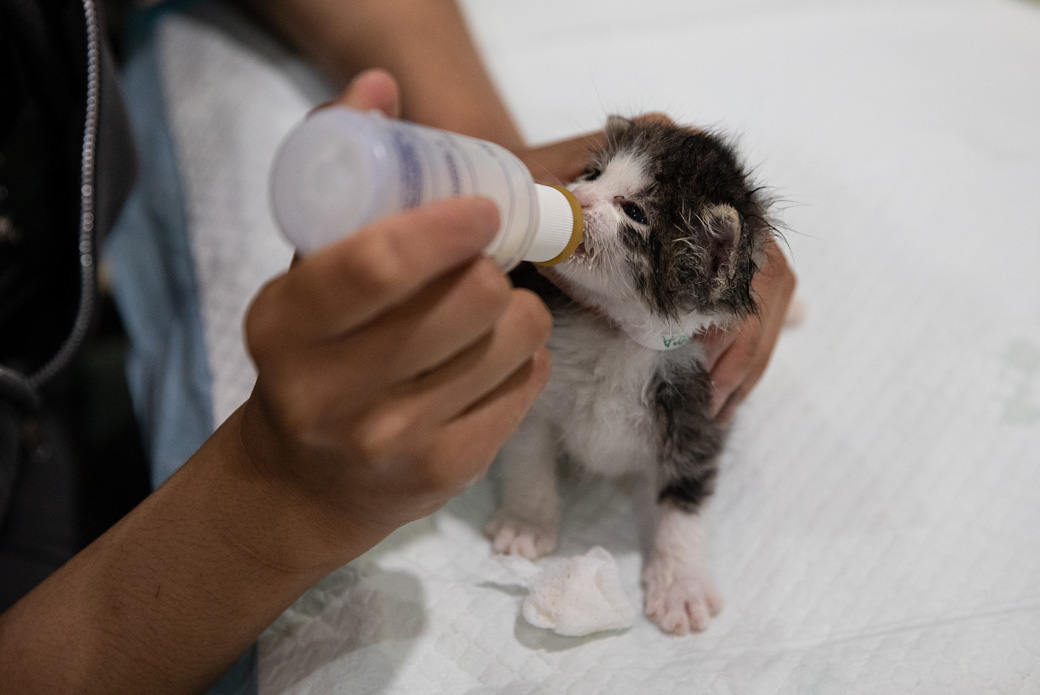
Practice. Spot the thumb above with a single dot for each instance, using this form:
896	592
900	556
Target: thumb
715	341
372	89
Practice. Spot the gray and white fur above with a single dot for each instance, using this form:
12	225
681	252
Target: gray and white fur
674	234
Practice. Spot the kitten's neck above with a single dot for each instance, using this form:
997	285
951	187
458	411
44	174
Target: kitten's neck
660	335
639	325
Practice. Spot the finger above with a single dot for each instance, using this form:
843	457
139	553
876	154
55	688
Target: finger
730	371
410	417
372	89
473	438
715	341
796	312
392	413
654	117
729	408
561	162
450	390
449	315
739	370
349	283
740	364
722	388
774	286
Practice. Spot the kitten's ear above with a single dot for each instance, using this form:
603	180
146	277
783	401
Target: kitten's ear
724	227
616	127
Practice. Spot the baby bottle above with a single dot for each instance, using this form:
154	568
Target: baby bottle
341	169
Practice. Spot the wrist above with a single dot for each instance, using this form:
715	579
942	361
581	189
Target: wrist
270	515
167	598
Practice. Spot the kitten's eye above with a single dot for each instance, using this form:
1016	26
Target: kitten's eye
634	212
590	174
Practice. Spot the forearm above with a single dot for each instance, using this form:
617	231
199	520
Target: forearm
170	596
423	43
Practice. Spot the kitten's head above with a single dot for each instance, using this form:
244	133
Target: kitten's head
672	224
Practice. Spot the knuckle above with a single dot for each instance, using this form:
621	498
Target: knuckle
376	268
295	420
263	324
531	316
444	473
489	283
541	368
381	436
438	477
290	405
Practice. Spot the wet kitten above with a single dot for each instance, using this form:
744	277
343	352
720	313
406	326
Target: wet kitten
674	233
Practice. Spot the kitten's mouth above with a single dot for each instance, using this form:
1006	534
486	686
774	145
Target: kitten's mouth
582	256
585	253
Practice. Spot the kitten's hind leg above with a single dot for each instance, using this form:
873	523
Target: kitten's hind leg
680	596
528	517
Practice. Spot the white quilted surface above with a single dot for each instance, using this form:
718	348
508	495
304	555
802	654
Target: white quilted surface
877	525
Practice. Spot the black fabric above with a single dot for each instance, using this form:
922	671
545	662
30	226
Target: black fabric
43	80
10	441
44	77
40	532
116	156
62	486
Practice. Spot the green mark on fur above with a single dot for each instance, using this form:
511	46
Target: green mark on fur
674	341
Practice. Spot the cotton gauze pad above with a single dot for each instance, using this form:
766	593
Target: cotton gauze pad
575	596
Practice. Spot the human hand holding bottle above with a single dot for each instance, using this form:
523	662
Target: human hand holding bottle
392	364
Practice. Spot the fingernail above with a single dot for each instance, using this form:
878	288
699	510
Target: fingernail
364	76
357	93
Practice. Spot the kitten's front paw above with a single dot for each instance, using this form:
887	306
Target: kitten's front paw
679	600
513	536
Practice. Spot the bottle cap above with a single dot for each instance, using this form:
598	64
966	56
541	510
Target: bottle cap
560	226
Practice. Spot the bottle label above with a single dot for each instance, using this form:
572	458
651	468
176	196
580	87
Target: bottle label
453	173
411	170
434	165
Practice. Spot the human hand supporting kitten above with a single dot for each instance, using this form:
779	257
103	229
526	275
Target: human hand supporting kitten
737	355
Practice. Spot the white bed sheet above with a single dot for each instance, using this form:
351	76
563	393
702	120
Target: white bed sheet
877	523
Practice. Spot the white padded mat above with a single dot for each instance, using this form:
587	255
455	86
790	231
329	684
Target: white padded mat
877	524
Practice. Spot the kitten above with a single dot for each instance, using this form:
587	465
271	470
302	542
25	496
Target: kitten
674	234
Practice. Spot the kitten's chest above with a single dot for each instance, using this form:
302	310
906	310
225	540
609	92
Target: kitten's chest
598	398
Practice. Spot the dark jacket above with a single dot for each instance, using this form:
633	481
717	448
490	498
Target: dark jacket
66	166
